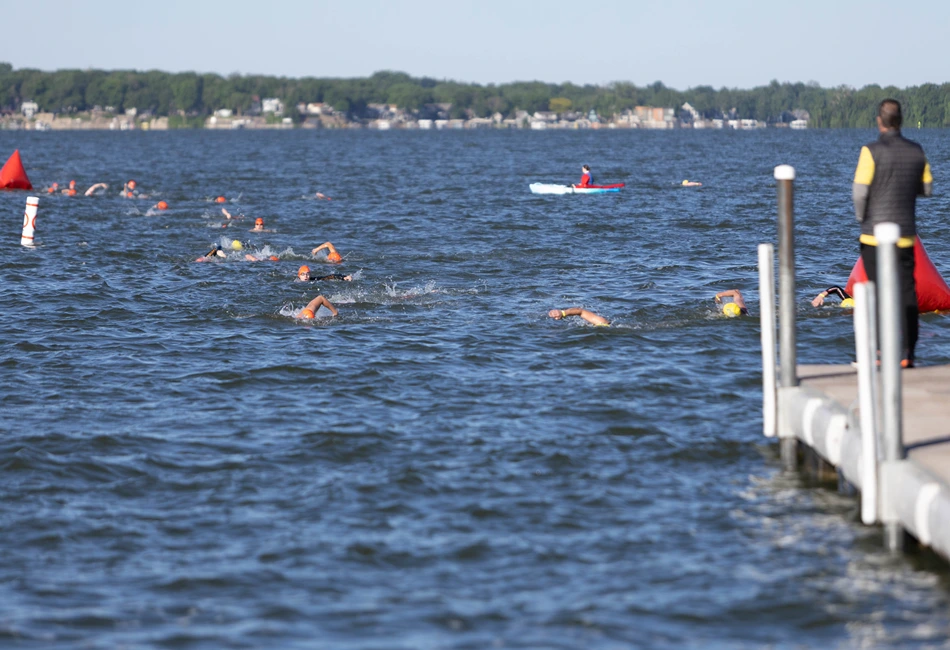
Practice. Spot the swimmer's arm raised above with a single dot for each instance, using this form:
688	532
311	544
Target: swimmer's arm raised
325	245
319	301
589	316
735	294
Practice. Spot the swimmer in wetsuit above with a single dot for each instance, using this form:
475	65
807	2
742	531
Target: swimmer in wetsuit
737	300
213	253
259	226
589	316
846	299
310	310
332	254
303	275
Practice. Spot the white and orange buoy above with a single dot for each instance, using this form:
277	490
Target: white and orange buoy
29	221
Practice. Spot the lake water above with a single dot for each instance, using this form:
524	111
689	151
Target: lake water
185	465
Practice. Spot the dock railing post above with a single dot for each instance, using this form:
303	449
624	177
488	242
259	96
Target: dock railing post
785	175
865	344
889	310
767	326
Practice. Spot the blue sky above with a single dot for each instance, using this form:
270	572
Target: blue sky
738	44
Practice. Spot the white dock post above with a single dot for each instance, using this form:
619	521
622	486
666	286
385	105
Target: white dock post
865	344
785	175
29	221
889	308
767	325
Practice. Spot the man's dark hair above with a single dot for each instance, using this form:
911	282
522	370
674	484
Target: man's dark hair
890	113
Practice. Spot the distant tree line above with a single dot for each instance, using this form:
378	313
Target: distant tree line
194	95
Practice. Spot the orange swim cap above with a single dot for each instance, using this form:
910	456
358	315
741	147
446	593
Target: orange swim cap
305	313
274	258
258	222
334	257
71	192
129	194
131	184
162	205
220	199
303	269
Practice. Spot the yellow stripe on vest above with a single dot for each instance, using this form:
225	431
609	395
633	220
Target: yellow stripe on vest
903	242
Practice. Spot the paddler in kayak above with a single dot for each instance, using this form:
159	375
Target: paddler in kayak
587	179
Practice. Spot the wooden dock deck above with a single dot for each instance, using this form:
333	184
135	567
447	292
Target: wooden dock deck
823	413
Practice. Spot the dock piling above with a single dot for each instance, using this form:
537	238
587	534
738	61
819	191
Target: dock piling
767	323
889	310
785	175
865	344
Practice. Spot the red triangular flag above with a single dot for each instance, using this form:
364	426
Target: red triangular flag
13	176
933	294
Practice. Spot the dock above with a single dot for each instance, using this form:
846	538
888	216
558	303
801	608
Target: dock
883	430
823	413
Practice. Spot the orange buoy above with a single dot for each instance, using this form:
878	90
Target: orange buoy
13	176
933	294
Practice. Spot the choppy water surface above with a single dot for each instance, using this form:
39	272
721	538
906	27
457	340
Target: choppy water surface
184	465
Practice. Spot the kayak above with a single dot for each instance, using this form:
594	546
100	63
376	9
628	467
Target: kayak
550	188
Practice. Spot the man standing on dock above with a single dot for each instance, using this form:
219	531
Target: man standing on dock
892	172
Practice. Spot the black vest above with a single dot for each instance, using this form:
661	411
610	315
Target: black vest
898	179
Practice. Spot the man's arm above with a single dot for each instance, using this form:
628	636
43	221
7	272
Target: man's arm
927	182
861	188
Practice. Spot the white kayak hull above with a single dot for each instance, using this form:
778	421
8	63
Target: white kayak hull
551	188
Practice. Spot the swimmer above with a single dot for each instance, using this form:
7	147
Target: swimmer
97	186
691	184
303	275
129	191
589	316
737	300
844	296
332	254
310	310
71	191
213	253
228	215
52	189
321	195
259	226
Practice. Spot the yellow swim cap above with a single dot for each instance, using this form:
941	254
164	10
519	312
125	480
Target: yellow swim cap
848	303
685	182
731	309
236	245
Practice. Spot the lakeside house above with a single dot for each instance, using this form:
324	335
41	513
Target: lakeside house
268	113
